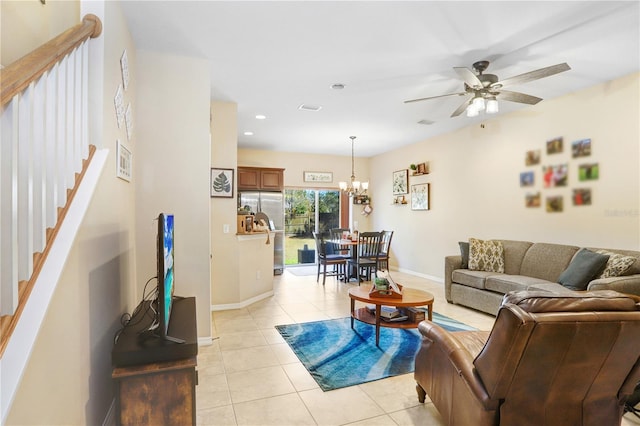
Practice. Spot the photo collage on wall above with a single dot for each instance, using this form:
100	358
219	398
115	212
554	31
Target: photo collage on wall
558	174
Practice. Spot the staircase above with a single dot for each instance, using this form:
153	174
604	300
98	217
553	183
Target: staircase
44	155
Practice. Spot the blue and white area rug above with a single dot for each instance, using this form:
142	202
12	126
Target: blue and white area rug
337	356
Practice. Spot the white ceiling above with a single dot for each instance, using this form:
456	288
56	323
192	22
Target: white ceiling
270	57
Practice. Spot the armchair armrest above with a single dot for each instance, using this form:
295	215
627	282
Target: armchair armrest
444	370
451	263
628	284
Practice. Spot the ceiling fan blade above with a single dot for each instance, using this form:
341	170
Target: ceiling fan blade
506	95
533	75
435	97
469	77
461	108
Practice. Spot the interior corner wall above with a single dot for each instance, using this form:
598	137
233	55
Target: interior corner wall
171	169
67	379
475	179
225	288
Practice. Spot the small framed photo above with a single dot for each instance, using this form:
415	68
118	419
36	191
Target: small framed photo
554	204
423	168
554	146
581	148
581	197
125	161
532	157
320	177
532	200
553	176
221	183
588	172
526	179
420	196
401	182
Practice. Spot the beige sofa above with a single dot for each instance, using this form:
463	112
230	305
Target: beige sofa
527	266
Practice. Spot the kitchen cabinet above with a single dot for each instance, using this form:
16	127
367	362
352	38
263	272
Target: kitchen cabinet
260	178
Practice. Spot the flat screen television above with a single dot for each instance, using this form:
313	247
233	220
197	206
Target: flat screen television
166	277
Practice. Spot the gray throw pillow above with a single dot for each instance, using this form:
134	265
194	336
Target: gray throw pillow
584	267
464	252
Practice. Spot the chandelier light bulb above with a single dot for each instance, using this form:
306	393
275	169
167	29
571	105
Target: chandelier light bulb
478	103
492	106
471	111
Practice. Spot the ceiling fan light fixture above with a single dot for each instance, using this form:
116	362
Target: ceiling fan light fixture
478	103
471	110
492	105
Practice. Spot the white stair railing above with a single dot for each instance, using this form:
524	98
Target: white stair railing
44	144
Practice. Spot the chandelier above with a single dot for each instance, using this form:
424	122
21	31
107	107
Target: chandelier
355	187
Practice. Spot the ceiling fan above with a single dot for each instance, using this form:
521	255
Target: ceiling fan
482	91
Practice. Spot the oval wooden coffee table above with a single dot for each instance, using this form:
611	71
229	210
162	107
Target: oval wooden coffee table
410	297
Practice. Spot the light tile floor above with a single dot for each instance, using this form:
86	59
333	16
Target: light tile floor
250	376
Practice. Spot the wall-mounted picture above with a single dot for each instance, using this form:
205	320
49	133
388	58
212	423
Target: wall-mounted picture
588	171
554	146
581	197
554	204
322	177
532	200
532	157
526	179
401	182
581	148
221	183
423	168
553	176
124	161
420	196
400	199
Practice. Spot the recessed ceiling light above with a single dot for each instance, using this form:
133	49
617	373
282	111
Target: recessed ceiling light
337	86
261	117
306	107
248	133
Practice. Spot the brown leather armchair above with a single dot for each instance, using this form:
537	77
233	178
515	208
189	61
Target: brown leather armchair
549	360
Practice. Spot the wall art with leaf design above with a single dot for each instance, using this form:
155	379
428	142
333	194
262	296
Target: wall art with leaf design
222	183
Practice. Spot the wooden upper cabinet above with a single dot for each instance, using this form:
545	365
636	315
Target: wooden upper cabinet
259	178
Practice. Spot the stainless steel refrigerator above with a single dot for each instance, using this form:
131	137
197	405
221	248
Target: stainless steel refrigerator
271	204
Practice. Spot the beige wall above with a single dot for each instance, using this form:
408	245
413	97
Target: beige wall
25	25
172	171
475	190
225	287
68	376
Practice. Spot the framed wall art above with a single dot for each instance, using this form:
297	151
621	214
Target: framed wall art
401	182
581	148
420	196
124	161
322	177
221	183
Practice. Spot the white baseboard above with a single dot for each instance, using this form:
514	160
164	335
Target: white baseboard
418	274
243	304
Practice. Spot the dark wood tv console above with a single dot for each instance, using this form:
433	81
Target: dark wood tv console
156	381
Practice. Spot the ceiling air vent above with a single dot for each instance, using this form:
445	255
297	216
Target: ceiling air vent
307	107
426	122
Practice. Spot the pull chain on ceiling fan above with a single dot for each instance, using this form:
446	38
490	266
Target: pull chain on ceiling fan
482	91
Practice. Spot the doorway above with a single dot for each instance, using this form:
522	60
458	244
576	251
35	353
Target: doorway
307	211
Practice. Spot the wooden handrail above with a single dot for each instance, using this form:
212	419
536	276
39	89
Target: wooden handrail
18	75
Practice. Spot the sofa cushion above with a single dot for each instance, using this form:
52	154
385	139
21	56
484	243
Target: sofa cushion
486	255
585	266
464	253
547	261
550	288
469	278
616	265
513	255
506	283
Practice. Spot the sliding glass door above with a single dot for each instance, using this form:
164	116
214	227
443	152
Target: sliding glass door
306	211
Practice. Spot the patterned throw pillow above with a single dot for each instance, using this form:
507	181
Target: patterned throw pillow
616	265
486	255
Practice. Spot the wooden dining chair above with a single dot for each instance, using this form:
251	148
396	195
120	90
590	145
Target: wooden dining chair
383	258
327	258
367	255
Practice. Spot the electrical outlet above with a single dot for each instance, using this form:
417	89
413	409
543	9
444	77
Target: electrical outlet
225	228
258	275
